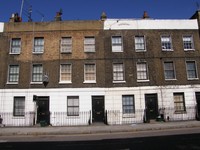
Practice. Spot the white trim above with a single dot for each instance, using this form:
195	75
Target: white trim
1	27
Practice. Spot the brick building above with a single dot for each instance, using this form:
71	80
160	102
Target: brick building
114	71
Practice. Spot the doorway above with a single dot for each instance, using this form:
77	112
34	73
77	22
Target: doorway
151	104
98	112
43	113
198	105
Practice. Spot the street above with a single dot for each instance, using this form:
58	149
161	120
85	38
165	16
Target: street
181	139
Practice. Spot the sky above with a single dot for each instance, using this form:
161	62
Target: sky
45	10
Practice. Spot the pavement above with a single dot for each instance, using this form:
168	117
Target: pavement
96	128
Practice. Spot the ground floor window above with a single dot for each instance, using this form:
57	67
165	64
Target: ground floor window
73	106
179	102
128	104
19	106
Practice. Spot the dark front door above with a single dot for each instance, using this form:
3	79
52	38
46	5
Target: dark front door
151	103
98	109
198	105
43	113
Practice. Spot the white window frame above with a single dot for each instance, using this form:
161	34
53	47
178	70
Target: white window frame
166	43
13	73
19	106
117	43
66	45
89	44
142	72
194	70
118	72
38	45
67	73
90	72
169	70
39	74
73	106
15	46
140	43
188	42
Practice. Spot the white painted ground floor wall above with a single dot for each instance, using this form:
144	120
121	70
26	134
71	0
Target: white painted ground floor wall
112	98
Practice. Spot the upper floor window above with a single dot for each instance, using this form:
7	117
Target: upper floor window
38	45
37	73
128	104
166	43
142	71
191	70
13	76
89	44
188	43
118	72
90	73
19	106
140	43
65	73
66	45
117	45
15	46
169	70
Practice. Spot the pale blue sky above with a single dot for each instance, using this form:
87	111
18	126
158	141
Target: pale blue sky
92	9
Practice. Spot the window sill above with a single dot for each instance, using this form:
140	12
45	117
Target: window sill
170	79
143	80
119	81
14	53
167	50
141	50
10	83
117	51
192	79
65	82
36	83
39	53
65	52
89	82
189	50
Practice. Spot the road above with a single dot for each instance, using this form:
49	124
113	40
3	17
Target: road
180	139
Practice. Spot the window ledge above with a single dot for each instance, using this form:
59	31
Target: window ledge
36	83
128	115
170	79
38	53
61	82
189	50
89	82
140	50
119	81
14	53
66	52
167	50
143	80
10	83
190	79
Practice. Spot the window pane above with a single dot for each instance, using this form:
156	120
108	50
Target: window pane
191	69
188	42
118	72
66	44
128	104
89	44
166	43
37	73
13	73
15	46
117	44
38	45
169	70
142	71
139	43
179	102
90	72
72	105
65	72
19	106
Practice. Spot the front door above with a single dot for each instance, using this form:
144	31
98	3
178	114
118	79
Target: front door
151	103
198	105
98	109
43	113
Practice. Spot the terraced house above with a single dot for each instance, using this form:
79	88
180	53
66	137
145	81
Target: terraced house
114	71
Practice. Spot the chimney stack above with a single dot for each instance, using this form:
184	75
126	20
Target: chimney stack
58	16
103	16
145	15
